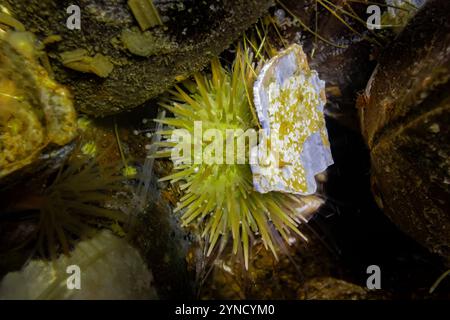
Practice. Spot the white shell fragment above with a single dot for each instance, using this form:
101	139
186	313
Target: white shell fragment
289	100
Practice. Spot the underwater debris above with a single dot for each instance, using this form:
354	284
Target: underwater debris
145	13
110	269
221	197
80	60
35	111
289	99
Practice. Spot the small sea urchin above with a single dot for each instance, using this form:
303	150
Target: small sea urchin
221	197
72	203
73	206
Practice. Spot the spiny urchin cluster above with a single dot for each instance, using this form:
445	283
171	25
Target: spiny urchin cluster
221	197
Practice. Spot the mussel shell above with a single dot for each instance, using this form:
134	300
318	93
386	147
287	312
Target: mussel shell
405	120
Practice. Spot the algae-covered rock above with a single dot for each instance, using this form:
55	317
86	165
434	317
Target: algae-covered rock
405	116
35	111
193	32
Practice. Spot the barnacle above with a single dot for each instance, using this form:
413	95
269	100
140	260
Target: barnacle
80	60
146	44
35	111
221	197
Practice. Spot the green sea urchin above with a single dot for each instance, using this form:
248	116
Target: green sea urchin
74	201
73	205
221	197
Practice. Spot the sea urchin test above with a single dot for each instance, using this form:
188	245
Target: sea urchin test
221	197
289	99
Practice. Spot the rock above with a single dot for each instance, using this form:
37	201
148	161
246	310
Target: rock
266	278
36	112
193	32
109	267
328	288
405	116
345	62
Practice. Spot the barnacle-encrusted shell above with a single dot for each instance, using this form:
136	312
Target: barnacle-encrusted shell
34	110
289	100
